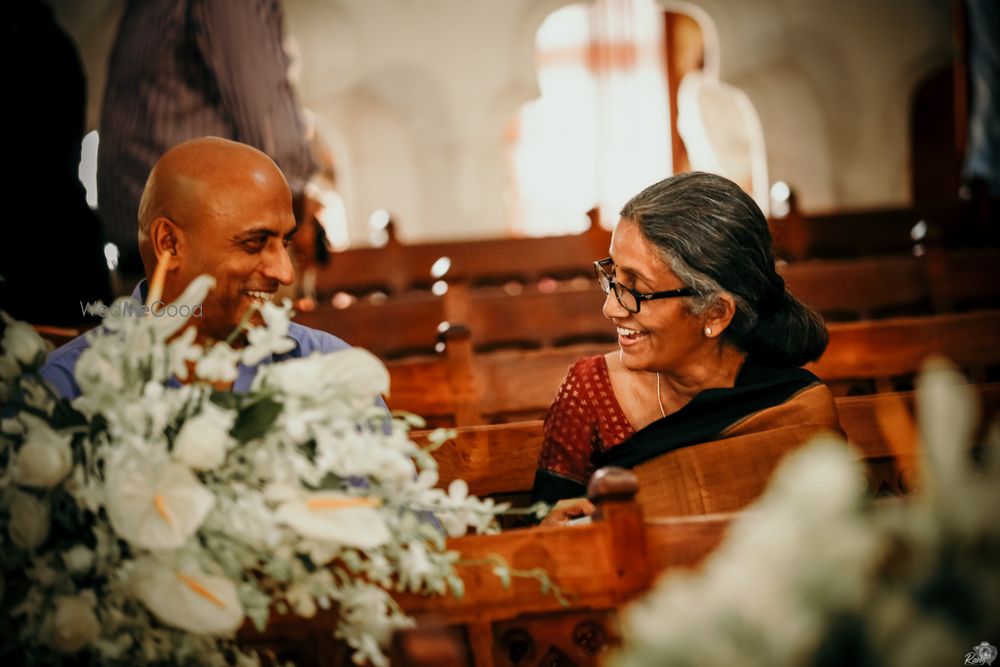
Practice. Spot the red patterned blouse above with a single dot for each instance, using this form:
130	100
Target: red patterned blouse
585	419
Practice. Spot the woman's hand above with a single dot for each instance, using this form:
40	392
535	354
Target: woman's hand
568	509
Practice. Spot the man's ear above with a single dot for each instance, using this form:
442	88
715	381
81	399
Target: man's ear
166	238
719	315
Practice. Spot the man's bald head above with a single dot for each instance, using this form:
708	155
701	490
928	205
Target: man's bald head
199	180
224	209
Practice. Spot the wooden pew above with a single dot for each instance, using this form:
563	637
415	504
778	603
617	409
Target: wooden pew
58	336
390	328
398	267
847	233
524	626
521	624
500	459
460	387
556	314
501	625
883	349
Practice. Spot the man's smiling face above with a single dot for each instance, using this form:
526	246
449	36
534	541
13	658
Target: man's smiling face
222	208
243	243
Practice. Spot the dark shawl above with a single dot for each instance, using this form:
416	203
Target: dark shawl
706	416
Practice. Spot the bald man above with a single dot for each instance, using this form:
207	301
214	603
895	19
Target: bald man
218	207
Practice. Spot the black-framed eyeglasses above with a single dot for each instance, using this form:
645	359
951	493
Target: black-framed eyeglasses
630	299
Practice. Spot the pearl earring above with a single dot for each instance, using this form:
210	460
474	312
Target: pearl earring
708	331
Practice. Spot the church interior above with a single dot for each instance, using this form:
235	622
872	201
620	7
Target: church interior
469	161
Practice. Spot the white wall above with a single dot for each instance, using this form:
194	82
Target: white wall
414	95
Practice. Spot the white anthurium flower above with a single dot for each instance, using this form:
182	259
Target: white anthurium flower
204	439
22	342
73	623
45	458
169	319
219	364
180	351
29	521
350	521
280	492
187	599
270	339
156	507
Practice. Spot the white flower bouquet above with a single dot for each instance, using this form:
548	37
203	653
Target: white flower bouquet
817	574
147	520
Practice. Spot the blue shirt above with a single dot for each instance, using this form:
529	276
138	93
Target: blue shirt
60	366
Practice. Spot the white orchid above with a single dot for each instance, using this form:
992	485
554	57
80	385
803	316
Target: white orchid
219	364
181	352
170	319
270	339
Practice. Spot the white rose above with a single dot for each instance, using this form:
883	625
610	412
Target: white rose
189	600
353	374
29	521
23	343
74	623
78	558
204	439
8	368
45	458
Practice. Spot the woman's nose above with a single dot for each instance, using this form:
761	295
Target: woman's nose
611	307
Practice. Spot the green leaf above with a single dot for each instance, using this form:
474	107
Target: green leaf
255	419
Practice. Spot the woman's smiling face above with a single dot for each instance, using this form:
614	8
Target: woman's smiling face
663	336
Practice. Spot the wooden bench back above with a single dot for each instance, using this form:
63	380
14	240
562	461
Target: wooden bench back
399	267
556	314
520	384
598	568
502	458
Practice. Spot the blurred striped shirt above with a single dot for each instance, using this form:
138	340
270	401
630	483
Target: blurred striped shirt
182	69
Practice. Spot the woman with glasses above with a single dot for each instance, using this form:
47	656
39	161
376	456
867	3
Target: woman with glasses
710	342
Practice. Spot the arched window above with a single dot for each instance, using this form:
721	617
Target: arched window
600	130
629	95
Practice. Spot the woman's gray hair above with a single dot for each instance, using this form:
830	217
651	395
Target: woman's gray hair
714	237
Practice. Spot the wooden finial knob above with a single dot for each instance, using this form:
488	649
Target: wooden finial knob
612	482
